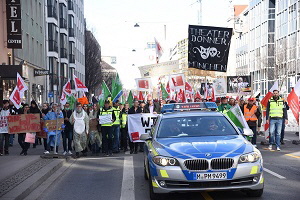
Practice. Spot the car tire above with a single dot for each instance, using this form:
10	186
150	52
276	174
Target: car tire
255	193
145	173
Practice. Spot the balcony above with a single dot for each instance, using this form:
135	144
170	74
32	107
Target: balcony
71	58
71	32
62	23
53	45
63	53
70	5
52	11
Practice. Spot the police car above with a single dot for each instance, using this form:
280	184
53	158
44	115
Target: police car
192	148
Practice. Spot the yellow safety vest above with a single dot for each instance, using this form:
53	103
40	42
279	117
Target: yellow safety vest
106	112
276	108
124	120
117	114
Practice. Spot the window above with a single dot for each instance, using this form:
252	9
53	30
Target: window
53	37
72	52
190	127
63	45
52	8
62	16
71	26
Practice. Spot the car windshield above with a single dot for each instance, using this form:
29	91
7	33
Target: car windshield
195	126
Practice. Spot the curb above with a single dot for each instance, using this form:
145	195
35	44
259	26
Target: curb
22	190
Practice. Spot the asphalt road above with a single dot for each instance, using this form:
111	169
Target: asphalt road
121	178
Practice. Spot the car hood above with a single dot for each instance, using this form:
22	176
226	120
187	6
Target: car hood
203	147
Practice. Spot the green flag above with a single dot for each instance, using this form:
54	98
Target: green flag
104	94
237	117
71	100
164	92
130	99
116	90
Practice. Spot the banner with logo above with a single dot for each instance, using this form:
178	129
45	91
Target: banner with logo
143	84
139	124
209	47
177	81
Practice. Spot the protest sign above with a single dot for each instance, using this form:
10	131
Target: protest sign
51	124
3	124
209	47
139	124
105	119
24	123
42	133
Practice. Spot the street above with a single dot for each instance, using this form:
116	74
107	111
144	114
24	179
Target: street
113	178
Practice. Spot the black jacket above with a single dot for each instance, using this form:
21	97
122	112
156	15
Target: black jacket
133	111
67	114
155	109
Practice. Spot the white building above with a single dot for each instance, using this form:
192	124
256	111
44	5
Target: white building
65	47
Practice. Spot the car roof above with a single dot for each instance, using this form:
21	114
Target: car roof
191	113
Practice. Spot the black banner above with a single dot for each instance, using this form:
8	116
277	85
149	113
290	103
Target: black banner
209	47
14	28
238	84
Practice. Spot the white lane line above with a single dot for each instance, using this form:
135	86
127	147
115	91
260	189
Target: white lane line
127	192
274	173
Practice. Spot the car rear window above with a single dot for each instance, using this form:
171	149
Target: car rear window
195	126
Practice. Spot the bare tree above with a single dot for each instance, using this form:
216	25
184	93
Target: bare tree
93	75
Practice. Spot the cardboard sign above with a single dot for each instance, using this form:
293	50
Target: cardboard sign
51	124
42	133
25	123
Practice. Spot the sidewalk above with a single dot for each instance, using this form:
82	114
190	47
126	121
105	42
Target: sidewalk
20	175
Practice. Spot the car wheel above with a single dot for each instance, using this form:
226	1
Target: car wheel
145	173
255	193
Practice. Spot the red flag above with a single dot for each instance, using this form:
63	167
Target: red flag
197	95
180	96
188	88
268	96
293	100
177	81
79	86
159	50
15	97
141	97
22	87
168	88
143	84
67	88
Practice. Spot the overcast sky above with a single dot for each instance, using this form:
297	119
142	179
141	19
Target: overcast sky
112	23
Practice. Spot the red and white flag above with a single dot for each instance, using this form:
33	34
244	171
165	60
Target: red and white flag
63	98
15	97
79	86
141	96
198	95
188	88
67	88
177	81
180	96
22	87
293	100
268	96
159	50
143	84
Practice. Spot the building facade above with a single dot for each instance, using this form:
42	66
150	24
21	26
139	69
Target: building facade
65	50
30	57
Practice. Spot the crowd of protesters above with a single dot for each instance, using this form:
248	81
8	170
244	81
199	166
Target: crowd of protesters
82	132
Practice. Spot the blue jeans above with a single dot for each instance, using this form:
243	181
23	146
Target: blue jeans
275	131
116	139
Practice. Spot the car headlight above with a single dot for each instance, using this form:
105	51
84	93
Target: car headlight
165	161
250	157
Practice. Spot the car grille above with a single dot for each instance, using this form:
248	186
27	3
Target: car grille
209	184
221	163
197	164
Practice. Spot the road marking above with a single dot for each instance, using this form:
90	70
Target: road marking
291	155
127	191
127	152
274	173
206	196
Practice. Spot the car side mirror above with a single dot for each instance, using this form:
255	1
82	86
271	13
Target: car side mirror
145	136
248	132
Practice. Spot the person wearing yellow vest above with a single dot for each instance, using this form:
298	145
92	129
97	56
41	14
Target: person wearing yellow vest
124	127
116	127
276	113
106	129
251	114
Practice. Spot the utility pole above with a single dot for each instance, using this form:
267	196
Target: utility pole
200	12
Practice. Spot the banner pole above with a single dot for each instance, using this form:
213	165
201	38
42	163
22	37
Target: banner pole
55	143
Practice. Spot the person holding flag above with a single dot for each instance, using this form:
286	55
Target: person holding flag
251	114
276	113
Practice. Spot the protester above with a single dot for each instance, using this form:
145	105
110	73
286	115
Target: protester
4	136
80	120
67	133
259	120
283	123
53	114
13	111
224	107
231	102
21	136
124	127
197	99
152	107
106	129
133	110
116	127
86	108
142	106
94	136
34	109
45	110
275	115
251	114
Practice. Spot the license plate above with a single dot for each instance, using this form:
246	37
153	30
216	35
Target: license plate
211	176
